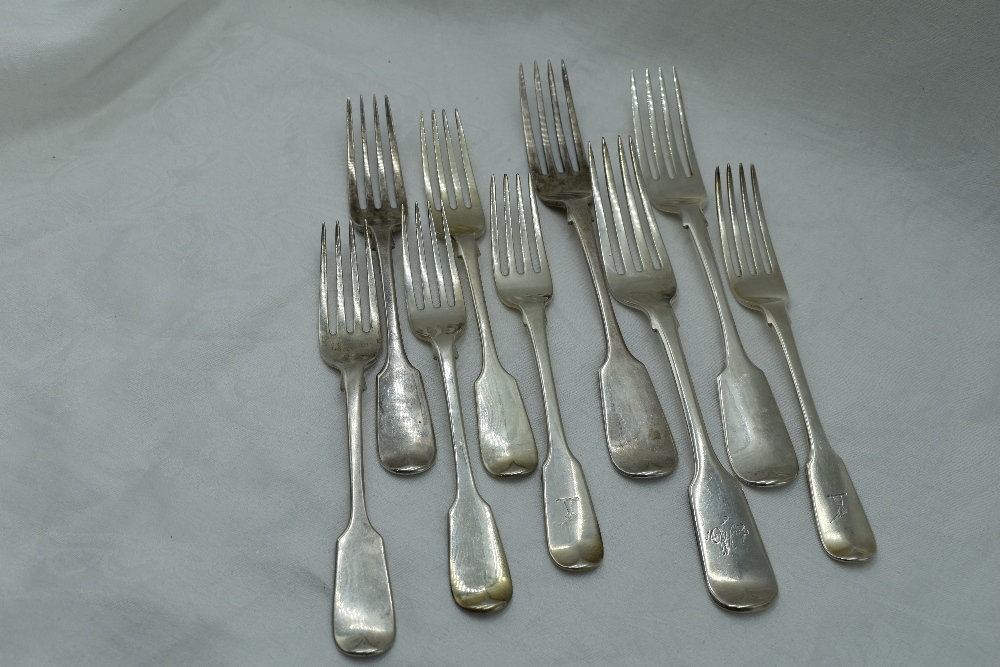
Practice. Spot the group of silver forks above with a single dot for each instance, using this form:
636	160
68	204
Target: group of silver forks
627	259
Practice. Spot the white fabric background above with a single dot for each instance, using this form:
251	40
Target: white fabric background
174	461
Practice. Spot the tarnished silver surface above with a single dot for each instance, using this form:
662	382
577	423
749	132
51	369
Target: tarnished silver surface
737	569
480	578
757	442
638	437
404	431
506	443
363	619
571	528
757	283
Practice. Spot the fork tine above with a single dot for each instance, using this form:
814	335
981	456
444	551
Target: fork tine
526	263
758	261
734	221
607	250
452	162
633	212
355	287
732	268
529	134
543	262
439	164
374	324
494	234
339	277
692	161
449	246
567	164
383	188
668	123
641	132
425	161
425	283
411	299
624	252
509	228
764	234
470	179
654	231
436	255
574	126
324	307
352	174
397	171
369	197
543	124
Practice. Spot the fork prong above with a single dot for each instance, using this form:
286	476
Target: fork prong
734	221
574	125
692	161
324	306
411	299
567	164
397	171
668	123
352	174
439	165
600	216
543	262
633	211
494	233
659	249
764	234
543	124
452	161
355	286
383	188
614	202
641	130
339	277
508	219
732	264
456	281
436	255
470	179
369	196
425	283
529	134
425	161
374	323
526	263
758	261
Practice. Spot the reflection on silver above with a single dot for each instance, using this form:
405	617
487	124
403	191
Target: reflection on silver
757	441
405	434
571	528
363	619
737	569
506	444
639	440
757	283
480	579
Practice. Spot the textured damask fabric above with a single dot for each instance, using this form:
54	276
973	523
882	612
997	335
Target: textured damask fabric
174	459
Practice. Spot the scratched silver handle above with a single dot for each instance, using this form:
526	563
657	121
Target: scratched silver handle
840	519
405	436
639	439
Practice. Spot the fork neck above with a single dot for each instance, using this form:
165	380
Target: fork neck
383	245
578	214
352	377
468	251
444	350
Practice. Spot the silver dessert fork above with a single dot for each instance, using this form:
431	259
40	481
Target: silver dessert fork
506	444
639	439
480	578
363	618
571	528
757	440
405	434
757	283
737	569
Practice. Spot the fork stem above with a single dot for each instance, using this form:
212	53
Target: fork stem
394	337
444	350
533	315
353	379
578	214
468	252
693	218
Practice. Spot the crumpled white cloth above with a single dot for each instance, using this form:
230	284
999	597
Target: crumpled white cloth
174	462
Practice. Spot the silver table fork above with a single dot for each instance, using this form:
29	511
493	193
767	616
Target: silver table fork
638	437
757	440
737	569
571	529
363	618
757	283
405	434
506	444
480	578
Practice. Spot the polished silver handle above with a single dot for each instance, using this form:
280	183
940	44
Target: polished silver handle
757	441
737	569
477	564
506	443
840	519
638	437
404	431
571	528
363	617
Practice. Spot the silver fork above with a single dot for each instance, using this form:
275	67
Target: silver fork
405	435
571	529
757	442
506	444
757	283
737	569
480	578
639	439
363	618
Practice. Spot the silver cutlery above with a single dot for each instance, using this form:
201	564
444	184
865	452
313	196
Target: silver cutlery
480	578
363	618
638	437
404	431
757	441
506	443
757	283
736	567
571	529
